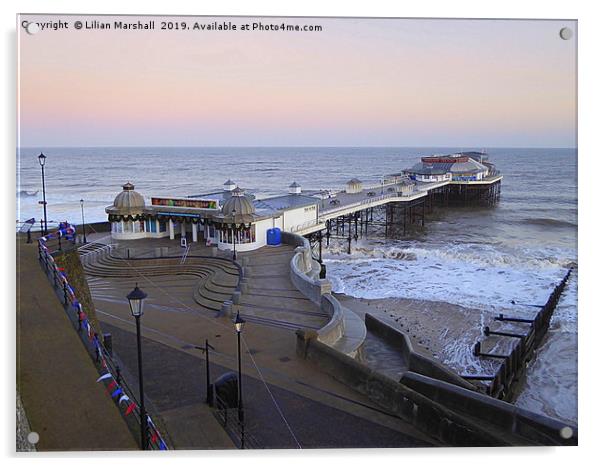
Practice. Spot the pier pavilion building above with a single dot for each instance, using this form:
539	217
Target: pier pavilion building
222	218
464	166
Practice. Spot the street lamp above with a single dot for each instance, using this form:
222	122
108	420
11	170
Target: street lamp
81	202
136	299
42	161
239	324
234	234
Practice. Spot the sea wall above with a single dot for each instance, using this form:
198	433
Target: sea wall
302	267
451	414
303	272
415	361
335	328
535	427
426	415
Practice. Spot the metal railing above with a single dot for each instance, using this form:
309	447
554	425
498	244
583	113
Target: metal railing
363	202
238	429
110	373
303	226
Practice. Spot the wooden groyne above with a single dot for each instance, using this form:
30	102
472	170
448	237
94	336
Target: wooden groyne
513	340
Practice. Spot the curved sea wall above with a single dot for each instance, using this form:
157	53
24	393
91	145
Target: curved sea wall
414	361
304	273
335	328
304	270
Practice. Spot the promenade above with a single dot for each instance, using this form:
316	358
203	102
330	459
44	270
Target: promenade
56	377
288	403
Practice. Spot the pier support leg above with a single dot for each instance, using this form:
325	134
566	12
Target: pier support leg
404	221
386	220
349	237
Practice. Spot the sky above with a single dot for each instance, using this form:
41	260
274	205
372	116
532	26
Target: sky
358	82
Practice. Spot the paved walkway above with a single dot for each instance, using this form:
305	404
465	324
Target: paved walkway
56	377
175	383
174	322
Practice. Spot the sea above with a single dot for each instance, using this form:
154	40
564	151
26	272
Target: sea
481	258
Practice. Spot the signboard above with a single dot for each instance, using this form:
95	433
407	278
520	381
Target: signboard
27	225
186	202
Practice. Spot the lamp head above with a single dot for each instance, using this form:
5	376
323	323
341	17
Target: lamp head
136	299
239	322
42	159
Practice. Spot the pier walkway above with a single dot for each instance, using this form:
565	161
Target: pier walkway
370	197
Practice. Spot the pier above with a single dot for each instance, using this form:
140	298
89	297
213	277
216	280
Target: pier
394	208
233	219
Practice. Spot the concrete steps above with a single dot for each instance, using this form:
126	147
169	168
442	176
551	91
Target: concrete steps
218	278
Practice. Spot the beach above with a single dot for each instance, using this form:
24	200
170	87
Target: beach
447	332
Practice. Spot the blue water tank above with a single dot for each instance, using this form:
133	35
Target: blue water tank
274	237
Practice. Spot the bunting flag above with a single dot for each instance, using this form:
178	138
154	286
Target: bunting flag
116	392
130	408
104	377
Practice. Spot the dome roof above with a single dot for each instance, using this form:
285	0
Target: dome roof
238	204
128	200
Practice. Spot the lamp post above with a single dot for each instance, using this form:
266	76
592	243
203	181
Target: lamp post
42	161
81	203
234	234
136	299
239	323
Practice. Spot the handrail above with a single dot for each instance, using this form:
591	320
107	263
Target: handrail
362	202
116	386
302	226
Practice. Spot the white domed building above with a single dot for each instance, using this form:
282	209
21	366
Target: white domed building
227	218
126	215
238	225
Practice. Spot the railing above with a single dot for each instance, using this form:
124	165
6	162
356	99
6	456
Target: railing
305	225
234	423
185	254
110	374
369	200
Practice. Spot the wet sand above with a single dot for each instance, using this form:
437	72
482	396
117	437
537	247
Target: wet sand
444	331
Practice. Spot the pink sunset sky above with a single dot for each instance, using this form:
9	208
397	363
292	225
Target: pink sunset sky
358	82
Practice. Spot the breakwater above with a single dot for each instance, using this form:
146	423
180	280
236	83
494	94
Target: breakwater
512	340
